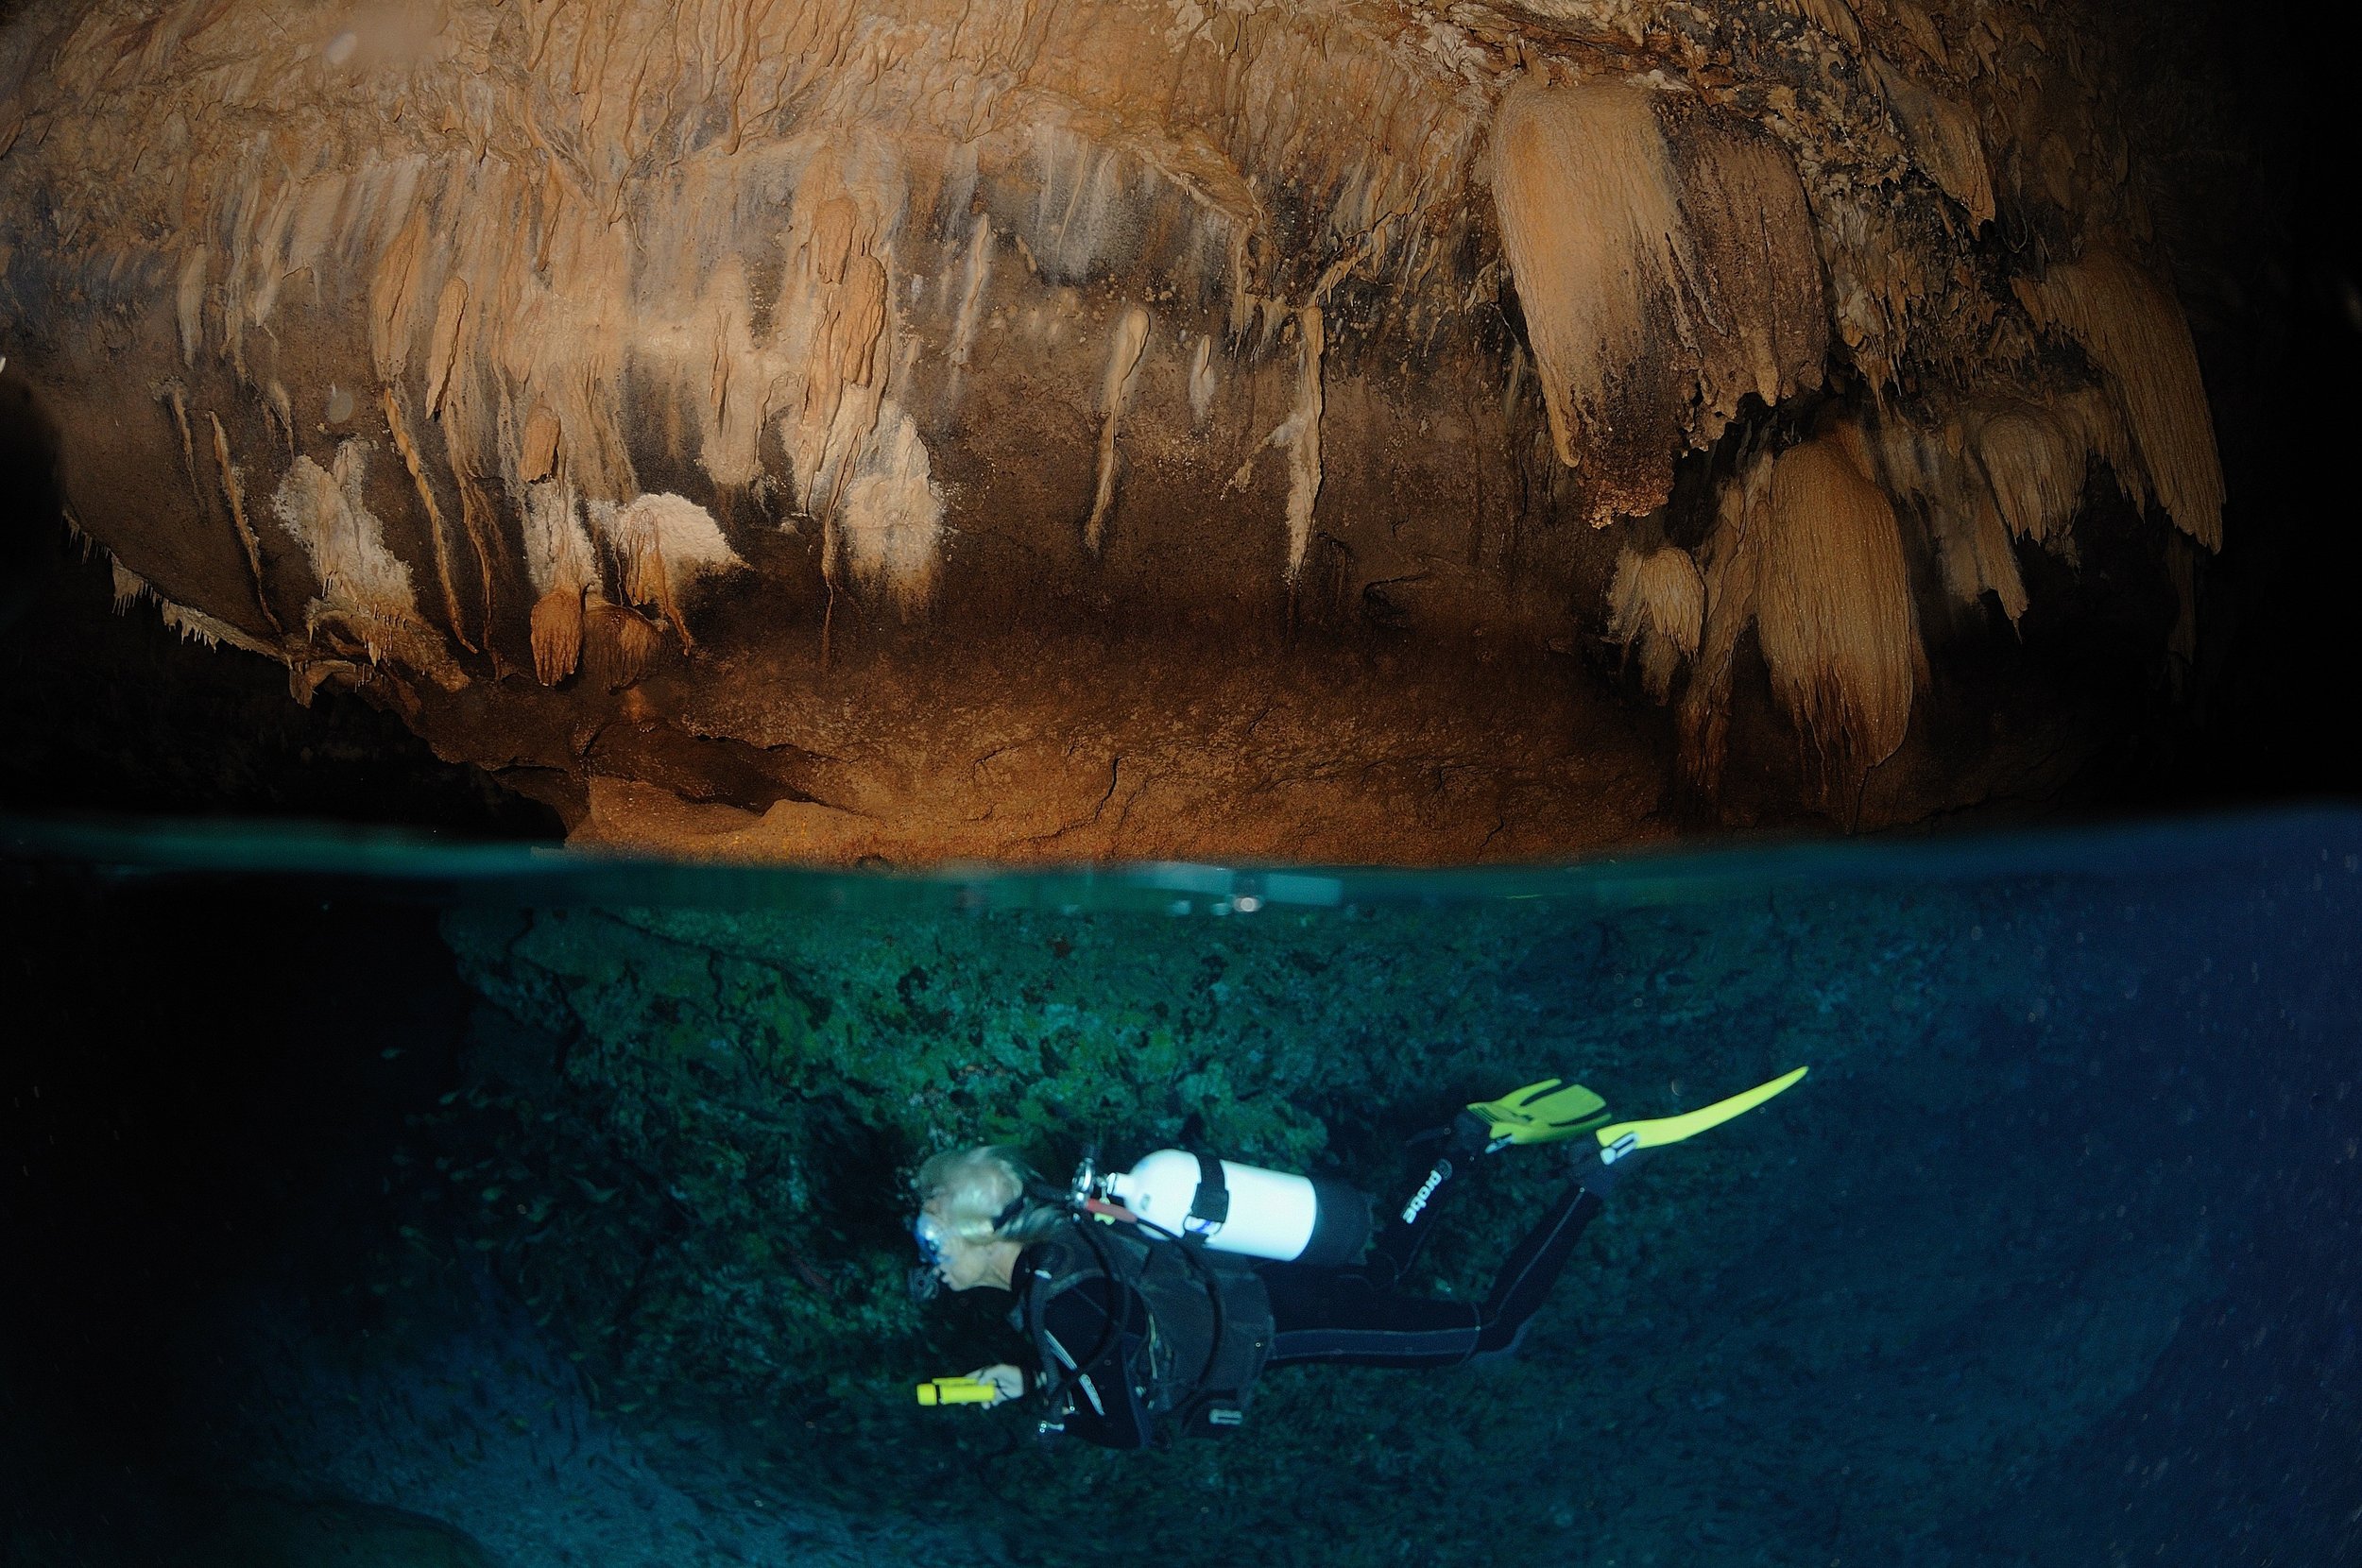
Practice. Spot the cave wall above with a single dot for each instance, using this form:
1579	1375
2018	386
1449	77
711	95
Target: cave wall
834	430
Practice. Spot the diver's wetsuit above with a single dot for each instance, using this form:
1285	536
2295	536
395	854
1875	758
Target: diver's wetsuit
1350	1316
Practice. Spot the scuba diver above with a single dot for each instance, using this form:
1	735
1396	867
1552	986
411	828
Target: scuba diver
1154	1299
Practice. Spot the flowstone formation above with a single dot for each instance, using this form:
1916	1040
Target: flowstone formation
1153	429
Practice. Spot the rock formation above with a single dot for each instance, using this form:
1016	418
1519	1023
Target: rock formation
1125	427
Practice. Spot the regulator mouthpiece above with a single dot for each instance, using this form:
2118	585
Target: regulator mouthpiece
925	1284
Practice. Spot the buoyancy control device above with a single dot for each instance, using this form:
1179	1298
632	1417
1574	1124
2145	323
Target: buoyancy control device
1191	1357
1208	1325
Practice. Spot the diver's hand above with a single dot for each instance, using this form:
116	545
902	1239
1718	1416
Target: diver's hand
1007	1382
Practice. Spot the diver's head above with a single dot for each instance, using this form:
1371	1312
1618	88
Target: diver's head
976	1213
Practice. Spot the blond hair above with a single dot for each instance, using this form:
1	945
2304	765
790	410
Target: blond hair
970	1188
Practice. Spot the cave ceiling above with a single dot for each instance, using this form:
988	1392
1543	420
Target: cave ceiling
1328	431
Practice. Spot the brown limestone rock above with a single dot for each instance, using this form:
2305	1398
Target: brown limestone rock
994	409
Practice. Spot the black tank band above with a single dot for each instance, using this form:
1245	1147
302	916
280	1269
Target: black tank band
1341	1224
1210	1206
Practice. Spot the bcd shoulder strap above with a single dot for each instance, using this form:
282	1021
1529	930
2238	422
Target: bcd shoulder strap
1064	1261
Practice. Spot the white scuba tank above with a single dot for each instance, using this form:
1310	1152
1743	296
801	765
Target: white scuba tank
1270	1215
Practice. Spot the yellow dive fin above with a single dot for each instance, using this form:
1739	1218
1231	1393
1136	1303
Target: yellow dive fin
1540	1112
1624	1137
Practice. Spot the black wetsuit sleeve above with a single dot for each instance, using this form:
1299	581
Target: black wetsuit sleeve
1093	1334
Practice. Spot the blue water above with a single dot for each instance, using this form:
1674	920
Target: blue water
2054	1258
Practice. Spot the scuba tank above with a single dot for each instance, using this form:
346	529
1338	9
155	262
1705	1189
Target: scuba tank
1244	1209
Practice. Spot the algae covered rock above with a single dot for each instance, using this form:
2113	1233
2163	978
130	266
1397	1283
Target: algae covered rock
684	1136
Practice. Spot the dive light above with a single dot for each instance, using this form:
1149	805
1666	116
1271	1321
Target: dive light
957	1390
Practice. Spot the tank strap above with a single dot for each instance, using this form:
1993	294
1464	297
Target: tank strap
1210	1206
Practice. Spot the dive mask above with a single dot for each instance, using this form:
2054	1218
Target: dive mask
933	1250
934	1240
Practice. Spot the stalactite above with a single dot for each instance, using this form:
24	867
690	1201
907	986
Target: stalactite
1833	609
1943	139
189	302
558	554
279	412
618	642
2134	331
537	449
976	275
208	631
451	312
193	625
833	321
1754	301
1664	262
1657	600
234	492
128	587
2035	466
1805	548
1124	362
1934	469
891	518
365	589
2094	417
1973	553
1591	222
1303	445
664	546
1734	547
437	532
1300	434
175	396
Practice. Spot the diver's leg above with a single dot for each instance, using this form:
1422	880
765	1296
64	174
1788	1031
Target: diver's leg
1534	1265
1350	1317
1406	1228
1342	1316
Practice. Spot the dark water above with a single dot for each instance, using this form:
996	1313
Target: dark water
364	1202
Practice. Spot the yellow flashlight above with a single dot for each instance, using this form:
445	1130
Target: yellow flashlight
957	1390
